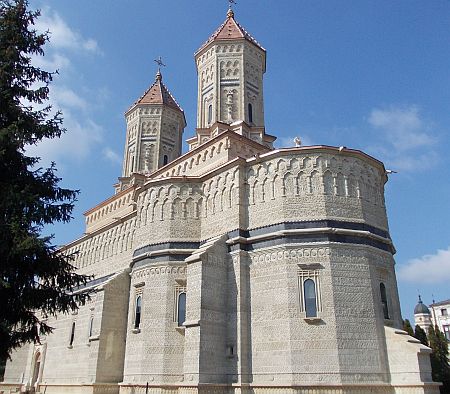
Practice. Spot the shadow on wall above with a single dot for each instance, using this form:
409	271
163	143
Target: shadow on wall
2	369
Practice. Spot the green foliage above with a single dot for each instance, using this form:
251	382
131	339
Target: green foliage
421	335
439	358
35	280
407	327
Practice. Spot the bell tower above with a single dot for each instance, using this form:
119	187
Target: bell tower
230	67
155	125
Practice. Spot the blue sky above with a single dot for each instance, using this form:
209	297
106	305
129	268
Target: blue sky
372	75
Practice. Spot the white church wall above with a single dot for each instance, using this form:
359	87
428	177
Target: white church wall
286	347
155	349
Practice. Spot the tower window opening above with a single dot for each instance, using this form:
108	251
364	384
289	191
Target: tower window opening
250	113
181	310
209	114
91	326
310	298
72	334
446	332
165	160
384	302
137	312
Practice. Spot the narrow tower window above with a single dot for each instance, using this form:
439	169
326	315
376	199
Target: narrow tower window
310	298
250	113
91	326
72	334
181	313
209	114
384	302
137	312
165	160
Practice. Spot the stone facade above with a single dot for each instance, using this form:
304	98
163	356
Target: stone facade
234	268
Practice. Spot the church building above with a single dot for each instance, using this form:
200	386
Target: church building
234	267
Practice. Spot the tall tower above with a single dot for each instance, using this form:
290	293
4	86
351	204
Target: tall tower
230	67
155	125
422	315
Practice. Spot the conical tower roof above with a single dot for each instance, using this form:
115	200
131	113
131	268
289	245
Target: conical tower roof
158	93
229	30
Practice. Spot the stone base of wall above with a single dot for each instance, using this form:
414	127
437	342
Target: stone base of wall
61	389
7	388
426	388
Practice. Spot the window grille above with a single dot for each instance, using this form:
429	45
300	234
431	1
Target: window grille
309	291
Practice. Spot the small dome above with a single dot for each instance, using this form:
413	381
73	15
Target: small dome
421	308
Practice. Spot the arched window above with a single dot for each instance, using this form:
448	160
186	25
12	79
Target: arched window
310	298
137	312
181	313
209	114
91	326
250	113
165	160
72	334
384	302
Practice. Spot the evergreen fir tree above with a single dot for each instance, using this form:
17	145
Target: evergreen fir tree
407	327
35	280
439	358
421	335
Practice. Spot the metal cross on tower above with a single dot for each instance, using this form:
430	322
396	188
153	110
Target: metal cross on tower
230	3
160	63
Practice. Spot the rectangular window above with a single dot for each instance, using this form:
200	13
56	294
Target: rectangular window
72	334
137	307
309	293
179	302
444	312
446	332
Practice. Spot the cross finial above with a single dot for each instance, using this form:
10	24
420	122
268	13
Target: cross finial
160	63
230	12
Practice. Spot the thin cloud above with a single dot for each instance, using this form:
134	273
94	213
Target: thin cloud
76	144
111	155
67	98
407	139
83	135
429	269
61	35
402	127
51	62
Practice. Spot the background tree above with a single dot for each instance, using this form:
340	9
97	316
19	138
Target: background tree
407	327
439	358
35	280
421	335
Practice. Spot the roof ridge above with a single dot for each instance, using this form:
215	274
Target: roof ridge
212	37
171	95
245	34
163	89
253	39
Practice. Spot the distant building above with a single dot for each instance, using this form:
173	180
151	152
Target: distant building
440	315
437	314
422	315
